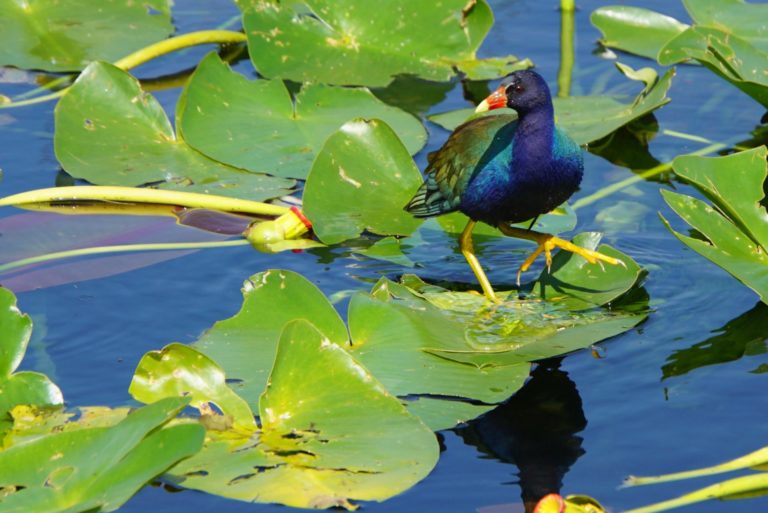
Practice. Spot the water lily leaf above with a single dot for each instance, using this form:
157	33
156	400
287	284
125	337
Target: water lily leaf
65	36
350	46
732	57
388	249
97	468
110	132
179	370
361	180
635	29
20	388
256	125
244	345
589	118
331	433
737	16
736	231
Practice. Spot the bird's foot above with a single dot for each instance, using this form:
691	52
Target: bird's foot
546	243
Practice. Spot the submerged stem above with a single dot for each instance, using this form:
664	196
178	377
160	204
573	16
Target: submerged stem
99	250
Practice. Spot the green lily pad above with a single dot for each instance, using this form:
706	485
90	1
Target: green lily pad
20	388
734	234
361	180
732	57
95	469
256	125
110	132
352	46
331	433
179	370
562	219
589	118
388	249
245	344
65	36
634	29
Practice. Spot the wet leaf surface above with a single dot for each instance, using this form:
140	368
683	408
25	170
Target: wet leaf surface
331	433
65	36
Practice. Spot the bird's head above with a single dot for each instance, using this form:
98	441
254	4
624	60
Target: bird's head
523	91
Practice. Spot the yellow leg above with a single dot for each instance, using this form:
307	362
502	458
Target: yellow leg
546	243
465	244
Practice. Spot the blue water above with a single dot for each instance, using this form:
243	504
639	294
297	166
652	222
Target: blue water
610	417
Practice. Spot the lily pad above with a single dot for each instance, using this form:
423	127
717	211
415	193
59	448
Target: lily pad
245	344
19	388
589	118
179	370
734	234
110	132
388	249
331	433
65	36
256	125
361	180
95	469
635	29
369	42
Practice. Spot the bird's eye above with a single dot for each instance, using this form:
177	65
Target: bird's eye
515	88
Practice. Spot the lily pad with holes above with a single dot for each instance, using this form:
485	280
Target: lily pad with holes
98	468
352	45
361	180
589	118
19	388
732	232
52	35
110	132
256	125
330	433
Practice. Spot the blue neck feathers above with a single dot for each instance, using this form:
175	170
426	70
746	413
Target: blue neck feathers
534	136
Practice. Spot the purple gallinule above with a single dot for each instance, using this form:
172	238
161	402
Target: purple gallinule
506	169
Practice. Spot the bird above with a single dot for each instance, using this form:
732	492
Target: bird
504	169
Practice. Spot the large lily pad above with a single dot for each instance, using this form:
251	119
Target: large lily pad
635	29
330	433
19	388
256	125
361	180
734	234
245	344
65	36
110	132
369	42
451	356
98	468
589	118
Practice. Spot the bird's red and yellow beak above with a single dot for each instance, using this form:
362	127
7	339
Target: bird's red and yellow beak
495	100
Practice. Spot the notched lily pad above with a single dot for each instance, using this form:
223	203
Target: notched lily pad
65	36
110	132
361	180
25	387
635	29
734	234
256	125
330	433
352	46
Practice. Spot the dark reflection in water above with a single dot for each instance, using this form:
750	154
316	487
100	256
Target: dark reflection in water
746	335
535	430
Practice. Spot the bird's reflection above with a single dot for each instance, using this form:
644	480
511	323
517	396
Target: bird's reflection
536	430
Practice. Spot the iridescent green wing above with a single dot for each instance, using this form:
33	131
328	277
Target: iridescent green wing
452	167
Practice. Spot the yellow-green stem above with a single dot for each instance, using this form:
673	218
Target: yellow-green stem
567	53
568	5
99	250
138	195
